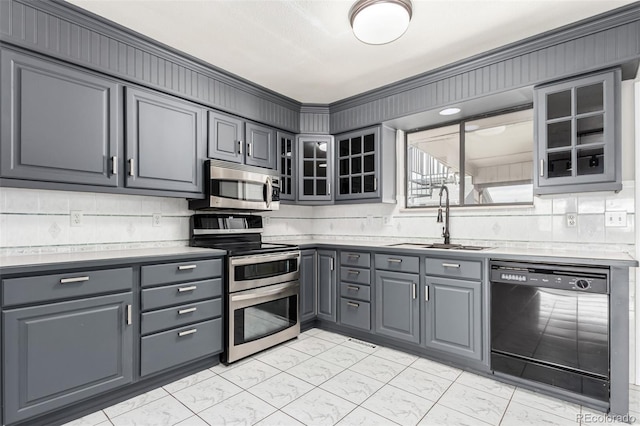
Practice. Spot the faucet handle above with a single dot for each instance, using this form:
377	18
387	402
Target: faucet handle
443	232
439	218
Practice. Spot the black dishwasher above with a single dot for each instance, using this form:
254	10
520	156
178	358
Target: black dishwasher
550	324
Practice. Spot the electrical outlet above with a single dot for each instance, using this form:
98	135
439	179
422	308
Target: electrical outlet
76	217
615	219
572	220
156	219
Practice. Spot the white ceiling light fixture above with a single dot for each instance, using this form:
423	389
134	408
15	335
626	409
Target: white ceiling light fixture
380	21
450	111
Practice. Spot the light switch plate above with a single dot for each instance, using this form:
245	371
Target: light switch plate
572	220
615	219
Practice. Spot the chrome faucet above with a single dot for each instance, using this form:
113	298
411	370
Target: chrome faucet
445	229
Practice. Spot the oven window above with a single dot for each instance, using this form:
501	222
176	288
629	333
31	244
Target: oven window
258	321
238	190
265	269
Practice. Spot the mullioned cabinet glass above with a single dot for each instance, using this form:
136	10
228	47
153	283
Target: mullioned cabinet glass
286	159
315	168
578	135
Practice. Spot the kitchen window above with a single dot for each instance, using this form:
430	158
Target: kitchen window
486	160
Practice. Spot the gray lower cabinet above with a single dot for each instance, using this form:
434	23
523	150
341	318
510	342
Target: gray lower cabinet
397	305
58	124
307	304
164	145
452	316
327	297
60	353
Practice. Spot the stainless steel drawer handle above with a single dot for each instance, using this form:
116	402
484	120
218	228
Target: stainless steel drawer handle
354	305
187	332
187	311
129	318
190	288
414	290
351	271
353	287
394	260
73	280
131	167
185	267
114	165
451	265
353	256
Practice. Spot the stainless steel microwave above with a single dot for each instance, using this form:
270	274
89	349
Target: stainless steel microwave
230	186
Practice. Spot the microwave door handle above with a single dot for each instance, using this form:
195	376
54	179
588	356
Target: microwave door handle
269	197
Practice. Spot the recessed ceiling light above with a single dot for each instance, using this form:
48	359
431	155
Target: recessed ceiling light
380	21
450	111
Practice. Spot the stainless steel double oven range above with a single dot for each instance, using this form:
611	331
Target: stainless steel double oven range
262	288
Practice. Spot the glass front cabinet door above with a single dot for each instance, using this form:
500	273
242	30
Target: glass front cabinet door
315	168
286	164
578	135
357	164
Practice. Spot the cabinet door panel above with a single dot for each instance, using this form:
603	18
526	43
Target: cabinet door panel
453	317
307	285
58	124
397	305
225	138
163	141
64	352
327	285
261	146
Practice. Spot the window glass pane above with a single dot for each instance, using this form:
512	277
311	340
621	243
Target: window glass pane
288	150
289	189
559	134
321	187
433	159
344	147
589	98
369	163
559	164
344	167
308	187
356	185
321	168
308	168
369	145
356	165
369	185
559	104
356	145
590	129
344	185
321	150
499	158
288	168
308	149
591	161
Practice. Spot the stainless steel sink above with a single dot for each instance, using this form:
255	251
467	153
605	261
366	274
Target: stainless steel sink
438	246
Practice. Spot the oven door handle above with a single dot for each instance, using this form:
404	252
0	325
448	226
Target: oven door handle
263	258
271	290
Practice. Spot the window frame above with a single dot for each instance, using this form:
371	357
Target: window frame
461	125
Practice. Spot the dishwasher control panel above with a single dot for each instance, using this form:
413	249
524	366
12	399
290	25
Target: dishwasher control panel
561	277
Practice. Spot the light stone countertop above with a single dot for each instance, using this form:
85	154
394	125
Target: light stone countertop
137	255
548	255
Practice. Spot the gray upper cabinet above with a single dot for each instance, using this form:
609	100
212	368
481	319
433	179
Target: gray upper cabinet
58	124
578	136
452	316
307	305
64	352
164	142
261	146
366	165
226	137
285	158
315	168
234	139
327	285
397	305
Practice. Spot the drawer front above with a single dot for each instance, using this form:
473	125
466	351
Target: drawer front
392	262
169	349
355	275
355	291
355	258
355	313
168	273
177	316
43	288
179	294
454	268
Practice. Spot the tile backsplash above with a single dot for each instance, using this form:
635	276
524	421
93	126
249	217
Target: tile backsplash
39	221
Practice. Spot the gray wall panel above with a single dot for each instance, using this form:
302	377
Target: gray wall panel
608	47
65	32
314	119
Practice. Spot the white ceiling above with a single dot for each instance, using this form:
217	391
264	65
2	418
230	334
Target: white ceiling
305	49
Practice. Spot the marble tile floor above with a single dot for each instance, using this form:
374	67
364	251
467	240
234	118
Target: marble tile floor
324	378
